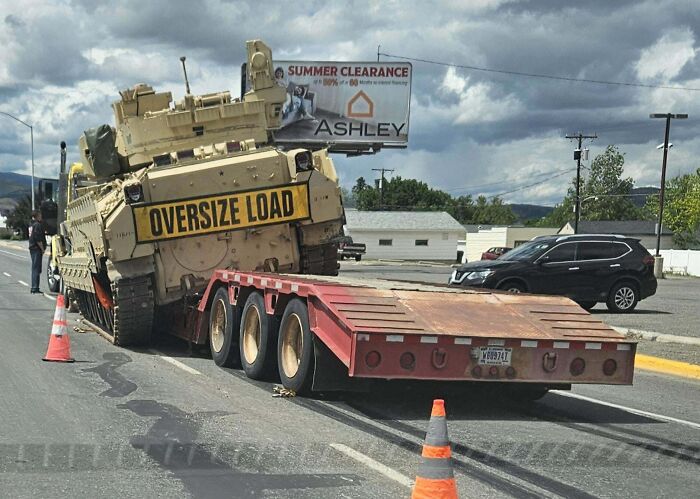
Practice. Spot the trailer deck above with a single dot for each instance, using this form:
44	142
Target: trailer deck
392	330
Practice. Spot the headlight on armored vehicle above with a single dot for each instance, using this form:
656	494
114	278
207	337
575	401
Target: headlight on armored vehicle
133	193
304	161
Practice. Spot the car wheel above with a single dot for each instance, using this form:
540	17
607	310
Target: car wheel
623	297
587	305
512	287
53	283
358	258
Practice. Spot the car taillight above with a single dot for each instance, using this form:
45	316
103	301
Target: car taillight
648	260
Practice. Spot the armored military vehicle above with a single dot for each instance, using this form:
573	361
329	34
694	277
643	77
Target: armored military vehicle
176	190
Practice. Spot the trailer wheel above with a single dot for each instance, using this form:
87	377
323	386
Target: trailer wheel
295	348
257	338
223	321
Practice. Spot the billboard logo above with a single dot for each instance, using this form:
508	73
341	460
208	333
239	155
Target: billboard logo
360	106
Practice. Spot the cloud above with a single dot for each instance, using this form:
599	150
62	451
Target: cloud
664	60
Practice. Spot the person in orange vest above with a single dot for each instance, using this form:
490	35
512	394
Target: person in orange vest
37	246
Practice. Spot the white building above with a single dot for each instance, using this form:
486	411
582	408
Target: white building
500	237
405	235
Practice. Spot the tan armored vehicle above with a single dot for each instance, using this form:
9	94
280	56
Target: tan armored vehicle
175	191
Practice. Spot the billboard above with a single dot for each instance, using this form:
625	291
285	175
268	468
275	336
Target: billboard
345	102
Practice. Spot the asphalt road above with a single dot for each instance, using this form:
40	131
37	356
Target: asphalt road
672	310
160	422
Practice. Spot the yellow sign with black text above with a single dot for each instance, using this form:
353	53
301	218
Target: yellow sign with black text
221	213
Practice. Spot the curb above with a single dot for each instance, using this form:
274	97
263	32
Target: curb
665	366
660	337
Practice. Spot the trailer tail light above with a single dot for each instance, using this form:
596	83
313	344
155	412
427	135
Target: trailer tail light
648	260
578	365
372	359
407	361
510	372
493	371
609	367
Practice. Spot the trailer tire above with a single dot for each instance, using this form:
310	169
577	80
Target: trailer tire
257	338
223	330
295	348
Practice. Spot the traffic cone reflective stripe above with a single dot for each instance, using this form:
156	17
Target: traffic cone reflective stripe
59	341
439	452
435	478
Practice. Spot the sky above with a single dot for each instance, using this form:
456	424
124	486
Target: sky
471	132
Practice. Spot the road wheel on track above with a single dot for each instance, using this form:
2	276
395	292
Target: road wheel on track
223	330
295	348
257	338
623	297
514	287
69	296
587	305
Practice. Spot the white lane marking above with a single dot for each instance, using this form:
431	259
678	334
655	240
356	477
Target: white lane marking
638	412
375	465
176	363
23	283
52	298
15	255
8	275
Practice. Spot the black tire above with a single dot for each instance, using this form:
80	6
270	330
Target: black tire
623	297
587	305
257	346
223	330
358	258
295	342
514	287
53	283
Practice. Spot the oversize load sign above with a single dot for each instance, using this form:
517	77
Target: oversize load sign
221	213
345	102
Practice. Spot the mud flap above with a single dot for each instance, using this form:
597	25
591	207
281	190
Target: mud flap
331	375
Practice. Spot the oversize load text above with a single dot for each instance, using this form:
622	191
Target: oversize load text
193	217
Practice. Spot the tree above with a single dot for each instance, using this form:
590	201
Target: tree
681	209
605	195
21	217
411	194
348	198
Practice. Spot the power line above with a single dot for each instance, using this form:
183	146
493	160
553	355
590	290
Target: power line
501	181
538	75
529	185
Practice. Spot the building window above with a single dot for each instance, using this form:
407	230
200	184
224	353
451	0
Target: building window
421	242
385	242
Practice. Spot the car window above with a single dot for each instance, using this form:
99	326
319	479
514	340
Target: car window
600	250
565	252
526	252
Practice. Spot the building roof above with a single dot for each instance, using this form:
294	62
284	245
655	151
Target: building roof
622	227
401	220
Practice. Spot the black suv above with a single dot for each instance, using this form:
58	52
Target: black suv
589	269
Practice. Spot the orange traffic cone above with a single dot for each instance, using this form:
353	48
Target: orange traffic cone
59	342
436	479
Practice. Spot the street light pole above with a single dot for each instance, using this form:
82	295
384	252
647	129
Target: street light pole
31	134
658	266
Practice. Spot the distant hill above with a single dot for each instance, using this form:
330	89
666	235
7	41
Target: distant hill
530	211
15	185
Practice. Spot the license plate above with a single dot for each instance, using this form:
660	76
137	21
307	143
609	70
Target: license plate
495	356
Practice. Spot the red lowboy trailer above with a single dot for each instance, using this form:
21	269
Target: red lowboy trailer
322	332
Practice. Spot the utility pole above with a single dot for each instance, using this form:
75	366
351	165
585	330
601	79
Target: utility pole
381	185
577	157
658	261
